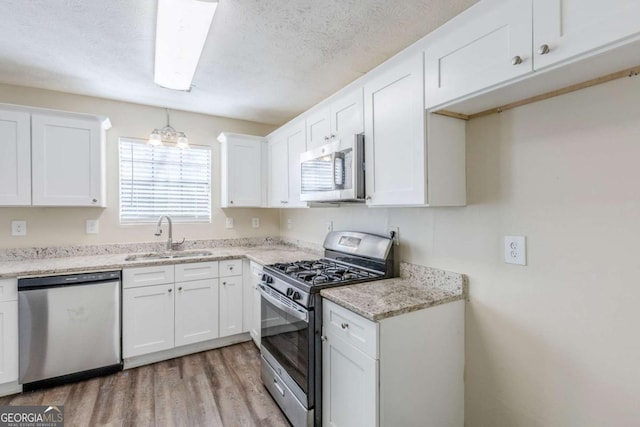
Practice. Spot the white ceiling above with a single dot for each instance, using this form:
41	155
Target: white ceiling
265	60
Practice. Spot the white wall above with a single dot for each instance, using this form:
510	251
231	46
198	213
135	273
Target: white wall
554	343
66	226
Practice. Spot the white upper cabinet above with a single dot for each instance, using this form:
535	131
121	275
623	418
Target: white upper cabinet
284	152
243	170
278	189
563	29
493	48
394	136
412	159
318	127
68	161
296	145
488	45
51	158
15	158
341	117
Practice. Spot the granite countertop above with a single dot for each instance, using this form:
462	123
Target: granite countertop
417	287
267	254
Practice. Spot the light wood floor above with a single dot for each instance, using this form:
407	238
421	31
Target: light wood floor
220	387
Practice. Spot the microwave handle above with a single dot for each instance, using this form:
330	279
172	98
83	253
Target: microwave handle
334	157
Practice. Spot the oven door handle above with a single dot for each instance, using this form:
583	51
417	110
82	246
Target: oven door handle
298	314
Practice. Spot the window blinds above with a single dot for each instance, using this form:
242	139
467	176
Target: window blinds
164	180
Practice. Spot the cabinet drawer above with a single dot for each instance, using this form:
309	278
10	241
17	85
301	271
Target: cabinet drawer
231	268
8	289
196	271
147	276
352	328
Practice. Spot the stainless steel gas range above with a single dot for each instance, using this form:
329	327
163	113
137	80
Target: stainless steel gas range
292	317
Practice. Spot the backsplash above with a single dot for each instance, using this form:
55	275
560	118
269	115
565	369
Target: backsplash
73	251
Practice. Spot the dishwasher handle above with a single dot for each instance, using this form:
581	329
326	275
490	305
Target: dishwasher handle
67	280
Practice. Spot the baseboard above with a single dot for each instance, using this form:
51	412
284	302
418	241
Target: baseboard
10	388
134	362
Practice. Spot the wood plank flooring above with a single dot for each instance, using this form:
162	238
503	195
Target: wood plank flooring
219	387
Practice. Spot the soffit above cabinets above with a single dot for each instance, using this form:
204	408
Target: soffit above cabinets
264	61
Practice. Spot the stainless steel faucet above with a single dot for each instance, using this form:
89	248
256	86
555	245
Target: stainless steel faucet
170	233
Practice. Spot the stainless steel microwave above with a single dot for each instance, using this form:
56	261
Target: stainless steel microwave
333	172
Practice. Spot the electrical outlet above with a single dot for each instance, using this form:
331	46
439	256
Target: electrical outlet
396	234
289	223
255	222
93	226
329	226
18	228
515	250
229	222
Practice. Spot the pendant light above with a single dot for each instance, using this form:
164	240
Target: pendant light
168	134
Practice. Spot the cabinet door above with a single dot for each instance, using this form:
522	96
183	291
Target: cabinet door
478	50
8	341
243	174
230	306
196	308
15	158
395	138
278	189
253	302
349	385
296	145
66	161
147	320
318	128
573	27
347	115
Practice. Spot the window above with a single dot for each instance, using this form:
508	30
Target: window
164	180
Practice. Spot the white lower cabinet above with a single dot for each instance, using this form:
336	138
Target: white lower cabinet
252	300
170	306
8	331
405	370
196	316
148	320
350	385
231	298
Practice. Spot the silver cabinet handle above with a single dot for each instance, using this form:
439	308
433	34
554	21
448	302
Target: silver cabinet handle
224	283
324	338
95	201
284	202
344	325
516	60
368	198
170	290
278	387
231	268
544	49
326	138
180	288
230	202
332	136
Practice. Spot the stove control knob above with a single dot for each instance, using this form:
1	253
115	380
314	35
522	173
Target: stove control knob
289	292
264	278
296	295
267	279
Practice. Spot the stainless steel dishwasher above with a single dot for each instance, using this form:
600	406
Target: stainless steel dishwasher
69	328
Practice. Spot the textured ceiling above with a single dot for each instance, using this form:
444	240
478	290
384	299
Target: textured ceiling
265	60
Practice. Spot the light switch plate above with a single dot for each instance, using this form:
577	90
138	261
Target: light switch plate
18	228
329	226
515	250
93	226
229	222
289	223
255	222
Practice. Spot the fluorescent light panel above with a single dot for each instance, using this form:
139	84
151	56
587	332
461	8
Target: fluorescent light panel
182	29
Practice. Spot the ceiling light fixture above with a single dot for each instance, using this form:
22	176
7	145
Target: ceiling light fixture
168	134
181	30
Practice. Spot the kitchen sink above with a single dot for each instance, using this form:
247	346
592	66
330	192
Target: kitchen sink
168	255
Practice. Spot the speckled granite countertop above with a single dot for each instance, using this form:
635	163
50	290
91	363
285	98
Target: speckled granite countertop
267	254
417	287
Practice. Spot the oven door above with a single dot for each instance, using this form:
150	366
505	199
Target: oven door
287	340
